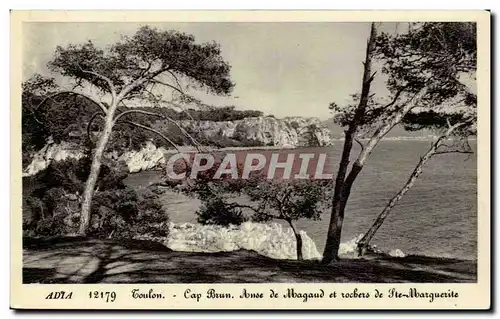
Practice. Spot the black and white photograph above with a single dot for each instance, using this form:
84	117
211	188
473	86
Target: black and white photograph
250	152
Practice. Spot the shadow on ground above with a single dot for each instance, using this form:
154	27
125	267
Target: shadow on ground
87	260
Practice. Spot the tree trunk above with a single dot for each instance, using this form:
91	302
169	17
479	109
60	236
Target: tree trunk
298	239
339	199
342	194
363	243
95	169
335	230
332	245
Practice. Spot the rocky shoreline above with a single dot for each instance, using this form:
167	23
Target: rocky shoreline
267	132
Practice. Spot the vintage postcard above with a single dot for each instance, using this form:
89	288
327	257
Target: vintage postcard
250	160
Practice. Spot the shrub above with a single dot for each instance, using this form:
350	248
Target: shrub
52	203
126	213
215	211
53	226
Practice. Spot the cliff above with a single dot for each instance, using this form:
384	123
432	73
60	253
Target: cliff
266	131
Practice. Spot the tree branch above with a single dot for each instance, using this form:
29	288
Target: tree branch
112	89
90	122
78	83
236	205
143	79
168	85
137	111
450	130
88	97
193	140
381	132
131	96
152	130
360	144
151	77
146	70
396	96
448	122
178	90
176	79
127	89
182	108
454	151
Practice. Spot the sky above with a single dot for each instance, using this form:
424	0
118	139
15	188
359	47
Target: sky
284	69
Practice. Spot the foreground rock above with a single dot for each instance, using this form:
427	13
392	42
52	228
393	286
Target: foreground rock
84	260
268	239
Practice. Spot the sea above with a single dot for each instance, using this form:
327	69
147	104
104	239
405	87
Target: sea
437	217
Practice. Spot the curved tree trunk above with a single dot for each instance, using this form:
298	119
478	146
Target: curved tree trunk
95	169
298	239
363	243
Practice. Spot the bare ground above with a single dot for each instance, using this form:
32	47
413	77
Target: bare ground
87	260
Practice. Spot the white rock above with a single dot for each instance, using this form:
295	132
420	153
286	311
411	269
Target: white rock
286	132
51	152
267	239
145	159
396	253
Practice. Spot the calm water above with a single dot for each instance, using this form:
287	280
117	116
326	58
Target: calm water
437	217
